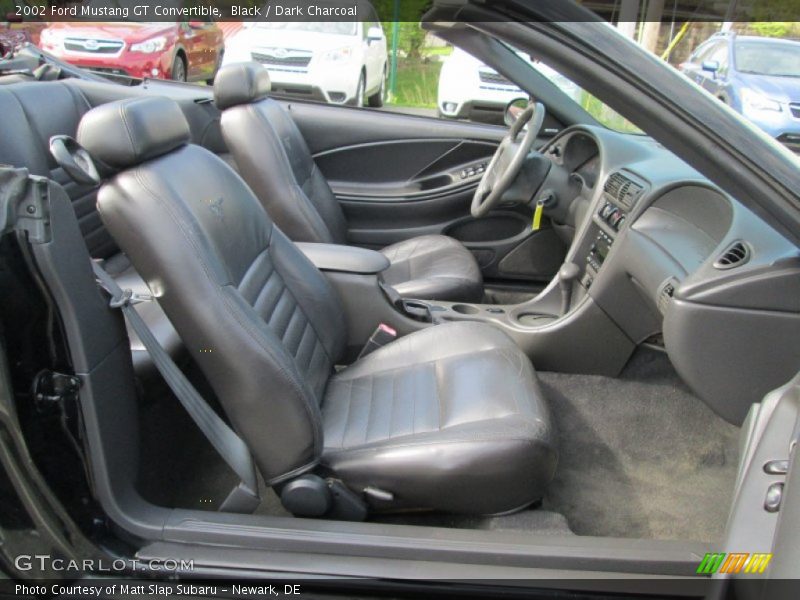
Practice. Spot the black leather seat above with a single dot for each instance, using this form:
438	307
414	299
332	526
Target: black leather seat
274	159
448	418
30	113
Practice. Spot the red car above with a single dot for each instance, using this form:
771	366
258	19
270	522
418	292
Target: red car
186	51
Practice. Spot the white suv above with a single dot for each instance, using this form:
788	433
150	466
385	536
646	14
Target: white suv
468	89
337	62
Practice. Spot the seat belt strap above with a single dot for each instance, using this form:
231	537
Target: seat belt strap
244	497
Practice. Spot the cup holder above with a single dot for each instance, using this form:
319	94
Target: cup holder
466	309
534	320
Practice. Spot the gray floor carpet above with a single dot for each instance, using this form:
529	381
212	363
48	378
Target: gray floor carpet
640	455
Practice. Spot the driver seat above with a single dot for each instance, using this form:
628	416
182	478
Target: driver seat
274	159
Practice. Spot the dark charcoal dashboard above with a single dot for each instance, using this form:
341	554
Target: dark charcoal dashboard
674	261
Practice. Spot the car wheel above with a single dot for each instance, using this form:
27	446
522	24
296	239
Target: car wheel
178	69
378	98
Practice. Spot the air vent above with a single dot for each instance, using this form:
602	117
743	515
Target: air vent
623	190
736	254
614	184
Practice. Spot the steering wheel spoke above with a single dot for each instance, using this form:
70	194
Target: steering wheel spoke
507	160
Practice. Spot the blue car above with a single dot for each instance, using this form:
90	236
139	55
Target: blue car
758	77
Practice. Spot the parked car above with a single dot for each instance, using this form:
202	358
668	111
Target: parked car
469	89
758	77
185	51
339	62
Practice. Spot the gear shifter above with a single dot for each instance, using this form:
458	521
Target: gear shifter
566	275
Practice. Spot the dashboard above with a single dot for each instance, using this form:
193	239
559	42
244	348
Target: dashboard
677	263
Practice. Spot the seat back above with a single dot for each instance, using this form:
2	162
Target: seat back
274	159
262	322
30	114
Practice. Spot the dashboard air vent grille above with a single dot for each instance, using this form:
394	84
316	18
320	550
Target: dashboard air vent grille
623	190
614	184
734	255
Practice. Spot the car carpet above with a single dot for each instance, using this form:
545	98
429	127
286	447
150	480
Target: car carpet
640	455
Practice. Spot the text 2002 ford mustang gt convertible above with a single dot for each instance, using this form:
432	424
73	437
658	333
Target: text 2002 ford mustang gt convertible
257	337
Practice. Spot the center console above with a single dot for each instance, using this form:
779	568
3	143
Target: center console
621	192
550	327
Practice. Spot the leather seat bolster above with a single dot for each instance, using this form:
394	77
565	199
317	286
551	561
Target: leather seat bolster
450	417
433	267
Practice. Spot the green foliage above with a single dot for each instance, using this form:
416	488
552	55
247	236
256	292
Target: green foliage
417	83
411	36
778	29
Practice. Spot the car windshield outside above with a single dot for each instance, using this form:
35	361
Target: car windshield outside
763	58
604	114
329	27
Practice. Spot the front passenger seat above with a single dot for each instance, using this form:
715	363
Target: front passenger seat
450	417
274	159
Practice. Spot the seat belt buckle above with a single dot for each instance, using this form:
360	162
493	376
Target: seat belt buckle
382	335
129	298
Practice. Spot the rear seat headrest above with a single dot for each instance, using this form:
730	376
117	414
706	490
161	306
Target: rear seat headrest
240	83
128	132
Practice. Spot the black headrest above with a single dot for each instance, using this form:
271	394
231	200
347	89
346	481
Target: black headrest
128	132
240	83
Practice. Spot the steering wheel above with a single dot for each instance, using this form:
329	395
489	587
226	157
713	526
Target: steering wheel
507	161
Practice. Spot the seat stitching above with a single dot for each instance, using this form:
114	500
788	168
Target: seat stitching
391	404
380	446
413	414
372	401
347	413
342	376
436	382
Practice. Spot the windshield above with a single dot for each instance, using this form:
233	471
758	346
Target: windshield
758	58
603	113
335	27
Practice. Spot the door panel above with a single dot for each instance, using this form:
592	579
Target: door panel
401	176
765	515
385	171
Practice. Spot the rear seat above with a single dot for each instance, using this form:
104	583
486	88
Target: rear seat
30	113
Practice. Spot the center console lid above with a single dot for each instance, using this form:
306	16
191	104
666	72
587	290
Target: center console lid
348	259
